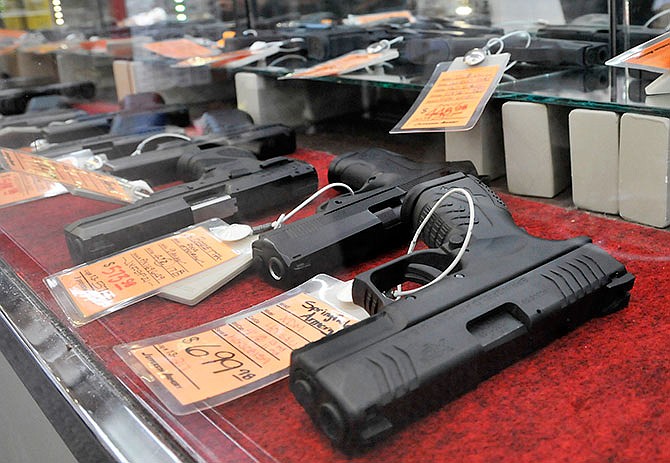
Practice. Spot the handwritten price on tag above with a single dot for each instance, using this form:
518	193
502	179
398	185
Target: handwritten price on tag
444	110
117	275
226	360
116	281
206	364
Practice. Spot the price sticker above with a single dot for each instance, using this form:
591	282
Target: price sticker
16	188
653	55
81	180
179	49
344	64
46	48
12	33
215	61
454	98
377	18
233	355
92	290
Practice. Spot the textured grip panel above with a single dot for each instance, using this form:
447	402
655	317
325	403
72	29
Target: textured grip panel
577	278
393	371
448	217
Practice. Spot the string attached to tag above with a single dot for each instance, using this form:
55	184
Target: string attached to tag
468	235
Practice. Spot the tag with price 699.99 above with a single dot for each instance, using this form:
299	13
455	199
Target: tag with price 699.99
223	360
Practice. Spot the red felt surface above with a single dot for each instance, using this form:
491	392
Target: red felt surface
601	393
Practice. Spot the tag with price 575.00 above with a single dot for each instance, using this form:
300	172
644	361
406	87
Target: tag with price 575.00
92	290
214	363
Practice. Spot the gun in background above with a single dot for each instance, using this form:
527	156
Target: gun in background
15	100
511	294
42	110
23	82
237	187
636	34
115	146
234	127
318	43
348	228
428	51
159	165
112	146
139	113
334	41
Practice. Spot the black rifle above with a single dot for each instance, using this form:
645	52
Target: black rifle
349	228
511	294
236	188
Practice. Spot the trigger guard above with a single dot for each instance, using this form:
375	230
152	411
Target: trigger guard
421	273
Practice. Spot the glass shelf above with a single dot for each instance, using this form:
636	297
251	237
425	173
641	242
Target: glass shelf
601	87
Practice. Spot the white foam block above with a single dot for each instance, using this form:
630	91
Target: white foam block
294	102
483	144
594	159
537	158
644	195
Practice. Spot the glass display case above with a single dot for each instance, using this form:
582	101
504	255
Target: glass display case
597	392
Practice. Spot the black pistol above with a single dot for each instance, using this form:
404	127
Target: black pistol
238	187
348	228
511	294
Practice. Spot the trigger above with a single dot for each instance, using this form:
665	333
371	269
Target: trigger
421	273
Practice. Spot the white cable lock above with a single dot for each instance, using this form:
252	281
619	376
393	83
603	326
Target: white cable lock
144	142
284	217
478	55
468	235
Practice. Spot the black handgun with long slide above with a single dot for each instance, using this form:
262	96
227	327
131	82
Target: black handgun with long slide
158	165
348	228
511	294
236	187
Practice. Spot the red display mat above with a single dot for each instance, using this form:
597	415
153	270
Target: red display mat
600	393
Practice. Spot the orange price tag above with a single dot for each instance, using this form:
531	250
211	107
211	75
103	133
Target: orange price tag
16	187
66	174
45	48
655	56
114	282
339	65
220	360
218	60
179	49
453	99
8	49
381	17
12	33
